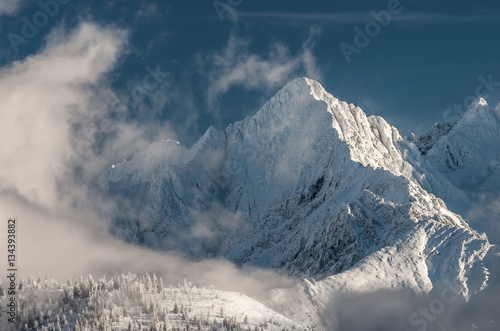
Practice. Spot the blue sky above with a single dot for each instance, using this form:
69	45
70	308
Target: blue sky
221	60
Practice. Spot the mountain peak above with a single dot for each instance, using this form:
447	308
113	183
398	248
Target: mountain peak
478	112
291	105
312	86
303	108
478	103
304	81
475	108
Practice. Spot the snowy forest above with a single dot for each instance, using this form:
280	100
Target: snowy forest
132	302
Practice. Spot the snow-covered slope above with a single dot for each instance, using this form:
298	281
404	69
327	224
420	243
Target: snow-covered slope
312	187
469	154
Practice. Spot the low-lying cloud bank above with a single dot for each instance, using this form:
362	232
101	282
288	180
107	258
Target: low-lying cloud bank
442	309
71	245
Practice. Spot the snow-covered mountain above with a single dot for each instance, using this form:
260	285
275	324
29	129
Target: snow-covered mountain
312	187
469	155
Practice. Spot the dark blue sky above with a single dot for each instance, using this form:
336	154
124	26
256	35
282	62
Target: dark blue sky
428	58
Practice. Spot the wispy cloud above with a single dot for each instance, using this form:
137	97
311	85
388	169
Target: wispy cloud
9	7
59	125
43	98
307	18
147	11
343	18
434	18
236	66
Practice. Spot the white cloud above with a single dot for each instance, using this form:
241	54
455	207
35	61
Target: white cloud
9	7
236	66
53	107
44	99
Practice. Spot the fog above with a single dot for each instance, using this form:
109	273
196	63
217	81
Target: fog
72	245
441	310
484	216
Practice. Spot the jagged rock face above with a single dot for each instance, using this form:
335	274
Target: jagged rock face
426	141
309	185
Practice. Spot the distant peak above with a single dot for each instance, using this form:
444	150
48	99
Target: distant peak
476	108
478	103
476	111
